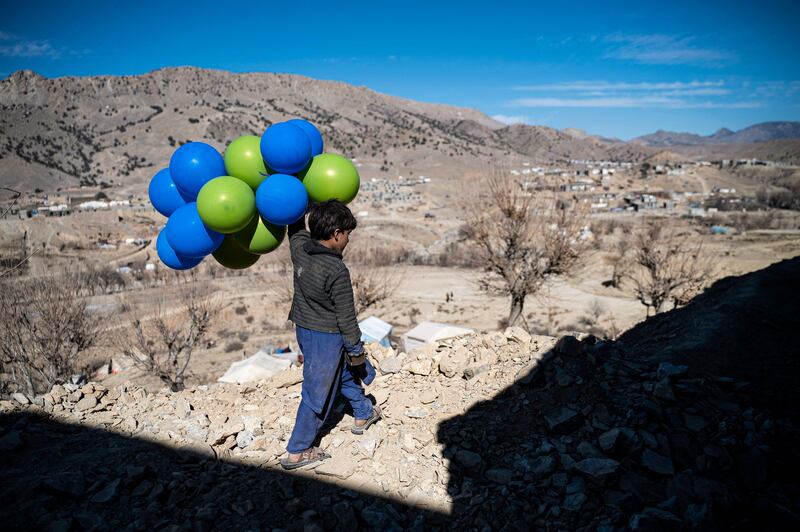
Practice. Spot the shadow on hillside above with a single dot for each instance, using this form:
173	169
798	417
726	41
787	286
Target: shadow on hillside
70	477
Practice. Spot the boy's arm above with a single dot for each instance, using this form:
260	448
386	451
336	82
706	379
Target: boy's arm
299	225
342	295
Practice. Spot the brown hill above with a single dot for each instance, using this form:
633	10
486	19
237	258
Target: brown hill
64	131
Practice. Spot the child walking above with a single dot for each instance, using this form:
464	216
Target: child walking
323	311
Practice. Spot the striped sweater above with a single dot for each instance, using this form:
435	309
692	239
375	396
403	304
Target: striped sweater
323	294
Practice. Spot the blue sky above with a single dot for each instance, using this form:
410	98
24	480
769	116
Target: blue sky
612	68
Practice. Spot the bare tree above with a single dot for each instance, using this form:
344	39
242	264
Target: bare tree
162	344
44	326
523	238
664	266
371	285
622	246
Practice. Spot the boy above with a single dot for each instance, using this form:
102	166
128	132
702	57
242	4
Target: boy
323	311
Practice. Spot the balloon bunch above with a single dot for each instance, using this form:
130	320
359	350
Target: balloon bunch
236	207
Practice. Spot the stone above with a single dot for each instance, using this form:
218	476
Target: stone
345	516
199	449
228	429
518	334
107	494
454	362
428	396
391	365
59	525
10	441
662	390
252	424
587	450
417	413
68	483
421	366
75	396
596	468
468	460
641	487
408	443
20	398
694	423
569	346
367	446
619	440
244	438
562	419
654	519
576	485
499	475
58	392
542	466
657	463
573	503
183	409
377	517
665	369
87	403
339	467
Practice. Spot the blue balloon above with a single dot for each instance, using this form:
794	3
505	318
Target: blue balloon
172	259
188	236
312	132
281	199
164	194
193	165
285	148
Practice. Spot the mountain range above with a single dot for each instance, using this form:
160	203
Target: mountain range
66	131
762	132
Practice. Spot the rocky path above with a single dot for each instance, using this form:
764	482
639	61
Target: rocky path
501	431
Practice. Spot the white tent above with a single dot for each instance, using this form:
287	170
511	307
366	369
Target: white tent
258	367
430	331
375	330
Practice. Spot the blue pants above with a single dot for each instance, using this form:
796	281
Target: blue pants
325	375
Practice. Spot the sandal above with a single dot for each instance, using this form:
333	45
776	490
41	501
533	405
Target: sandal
376	415
307	457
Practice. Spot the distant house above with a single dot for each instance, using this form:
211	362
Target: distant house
578	186
430	331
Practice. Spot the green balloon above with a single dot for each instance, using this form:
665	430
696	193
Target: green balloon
260	237
243	160
226	204
331	176
231	255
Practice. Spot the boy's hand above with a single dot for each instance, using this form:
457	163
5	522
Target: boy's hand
357	360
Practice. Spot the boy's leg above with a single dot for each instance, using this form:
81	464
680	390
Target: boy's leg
353	391
321	374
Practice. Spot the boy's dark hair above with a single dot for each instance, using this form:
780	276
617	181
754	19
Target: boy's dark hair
326	217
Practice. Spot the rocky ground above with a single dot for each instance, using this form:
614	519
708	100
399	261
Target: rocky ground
670	428
500	431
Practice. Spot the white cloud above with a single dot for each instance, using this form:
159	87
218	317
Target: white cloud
673	94
30	49
510	120
618	85
631	102
658	49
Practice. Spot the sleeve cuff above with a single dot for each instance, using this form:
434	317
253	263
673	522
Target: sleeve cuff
354	349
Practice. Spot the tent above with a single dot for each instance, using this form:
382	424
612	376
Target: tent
258	367
375	330
431	331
